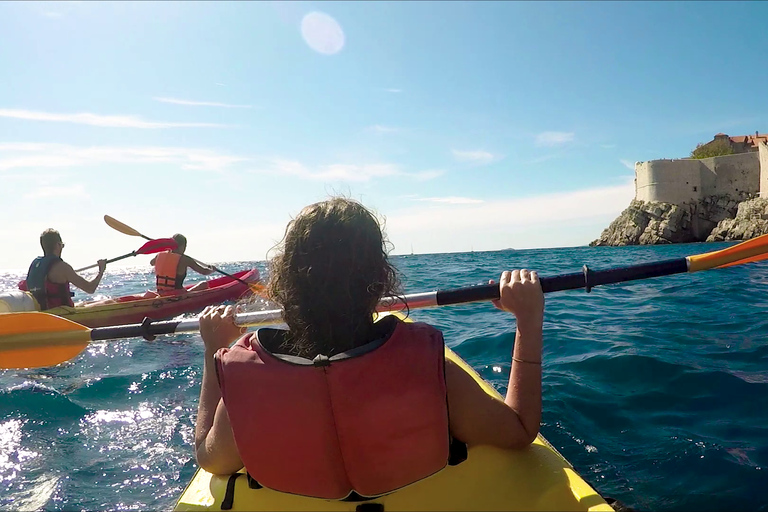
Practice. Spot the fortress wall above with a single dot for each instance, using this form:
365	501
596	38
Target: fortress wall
687	179
731	174
763	157
668	181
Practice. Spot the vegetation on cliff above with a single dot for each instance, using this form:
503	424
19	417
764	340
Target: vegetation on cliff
710	149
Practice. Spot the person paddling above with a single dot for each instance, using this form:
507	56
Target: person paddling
171	268
339	406
49	277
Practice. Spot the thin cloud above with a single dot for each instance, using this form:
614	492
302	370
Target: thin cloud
426	175
554	138
629	165
607	146
359	173
378	128
99	120
33	155
541	159
26	155
177	101
546	220
77	191
393	91
451	200
478	157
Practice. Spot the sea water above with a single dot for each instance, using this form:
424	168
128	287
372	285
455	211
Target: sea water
655	390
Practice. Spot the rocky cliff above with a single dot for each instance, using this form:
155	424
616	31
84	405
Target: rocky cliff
713	218
751	220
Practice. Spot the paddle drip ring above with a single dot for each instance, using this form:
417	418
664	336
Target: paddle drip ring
587	279
145	325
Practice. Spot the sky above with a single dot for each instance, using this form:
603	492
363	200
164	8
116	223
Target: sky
464	125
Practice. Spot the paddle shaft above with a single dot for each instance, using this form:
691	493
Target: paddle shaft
109	261
585	279
150	247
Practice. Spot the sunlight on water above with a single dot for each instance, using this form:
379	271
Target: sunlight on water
12	456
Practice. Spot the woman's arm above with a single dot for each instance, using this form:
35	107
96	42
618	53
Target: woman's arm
215	447
478	418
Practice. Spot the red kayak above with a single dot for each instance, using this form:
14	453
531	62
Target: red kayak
132	309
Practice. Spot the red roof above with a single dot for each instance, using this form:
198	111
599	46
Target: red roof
750	140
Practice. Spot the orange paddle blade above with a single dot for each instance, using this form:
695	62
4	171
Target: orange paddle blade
123	228
737	253
35	340
257	288
753	259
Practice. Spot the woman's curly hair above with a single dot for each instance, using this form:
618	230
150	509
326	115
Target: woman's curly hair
330	272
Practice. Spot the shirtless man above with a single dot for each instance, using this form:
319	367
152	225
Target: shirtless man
171	268
49	277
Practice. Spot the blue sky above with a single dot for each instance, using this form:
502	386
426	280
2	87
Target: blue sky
467	126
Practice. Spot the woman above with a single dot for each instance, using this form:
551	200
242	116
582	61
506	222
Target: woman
338	404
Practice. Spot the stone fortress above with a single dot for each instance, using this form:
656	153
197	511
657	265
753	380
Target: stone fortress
696	200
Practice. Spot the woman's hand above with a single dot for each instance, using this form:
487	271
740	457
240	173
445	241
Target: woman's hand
521	295
217	327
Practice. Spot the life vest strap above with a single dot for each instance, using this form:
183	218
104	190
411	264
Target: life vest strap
457	452
229	494
166	282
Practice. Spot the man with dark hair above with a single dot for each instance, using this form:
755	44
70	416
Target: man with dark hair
171	268
49	276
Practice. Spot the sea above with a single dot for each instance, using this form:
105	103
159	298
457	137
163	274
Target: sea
655	390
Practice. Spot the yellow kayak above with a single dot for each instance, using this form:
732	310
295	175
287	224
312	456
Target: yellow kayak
536	478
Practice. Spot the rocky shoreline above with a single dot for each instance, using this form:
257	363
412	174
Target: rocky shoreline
712	219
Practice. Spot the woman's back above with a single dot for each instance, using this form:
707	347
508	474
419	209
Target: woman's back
329	277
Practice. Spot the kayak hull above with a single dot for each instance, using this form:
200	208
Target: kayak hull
535	478
134	308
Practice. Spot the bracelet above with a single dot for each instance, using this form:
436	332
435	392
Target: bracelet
525	361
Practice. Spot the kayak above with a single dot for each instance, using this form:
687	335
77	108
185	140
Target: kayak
535	478
133	309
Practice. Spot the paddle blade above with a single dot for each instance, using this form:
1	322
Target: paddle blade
119	226
159	245
753	259
738	252
34	340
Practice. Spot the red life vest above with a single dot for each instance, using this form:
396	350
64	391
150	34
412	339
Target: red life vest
58	294
166	271
371	420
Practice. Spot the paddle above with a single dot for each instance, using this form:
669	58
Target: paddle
128	230
34	339
151	247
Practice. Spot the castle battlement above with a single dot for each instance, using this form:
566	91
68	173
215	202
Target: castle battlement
688	179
